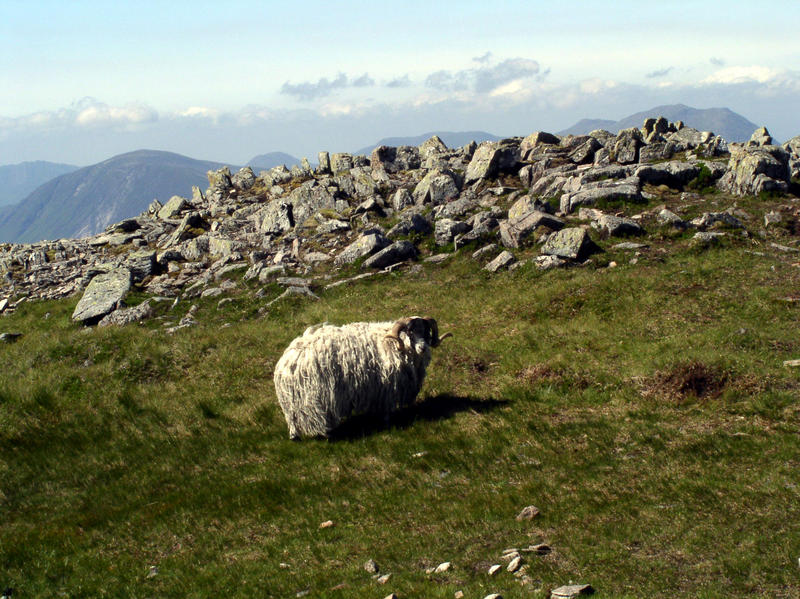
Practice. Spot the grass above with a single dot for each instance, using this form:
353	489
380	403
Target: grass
643	409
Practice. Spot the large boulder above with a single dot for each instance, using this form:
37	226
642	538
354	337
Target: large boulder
244	179
514	231
399	251
491	158
760	137
104	294
753	169
277	218
174	206
394	160
626	146
622	191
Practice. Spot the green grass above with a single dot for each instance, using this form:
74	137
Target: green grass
126	448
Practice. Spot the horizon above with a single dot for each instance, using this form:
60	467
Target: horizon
226	84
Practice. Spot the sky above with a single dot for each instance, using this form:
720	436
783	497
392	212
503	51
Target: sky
84	80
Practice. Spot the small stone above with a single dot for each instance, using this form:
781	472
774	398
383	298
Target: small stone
502	261
612	264
283	566
514	565
327	524
494	596
494	569
302	593
443	567
371	566
153	571
391	596
571	590
383	578
458	595
3	304
792	363
528	513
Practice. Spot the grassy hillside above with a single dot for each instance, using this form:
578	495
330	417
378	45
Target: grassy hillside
644	409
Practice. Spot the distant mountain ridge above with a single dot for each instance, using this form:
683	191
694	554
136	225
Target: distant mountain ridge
452	139
721	121
85	201
19	180
272	159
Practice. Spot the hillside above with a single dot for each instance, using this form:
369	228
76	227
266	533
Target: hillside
722	121
453	139
85	201
19	180
617	406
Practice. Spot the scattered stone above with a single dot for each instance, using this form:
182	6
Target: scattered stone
573	244
327	524
371	566
460	594
494	596
628	245
548	262
772	218
792	363
485	251
515	564
3	304
152	572
704	239
783	248
391	596
494	569
528	513
570	591
438	258
399	251
365	245
123	316
9	337
504	260
443	567
383	578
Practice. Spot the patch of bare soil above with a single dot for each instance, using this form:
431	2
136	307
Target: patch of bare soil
687	380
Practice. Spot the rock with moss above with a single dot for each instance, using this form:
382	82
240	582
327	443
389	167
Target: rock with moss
437	187
368	243
172	209
492	158
753	169
399	251
573	244
244	179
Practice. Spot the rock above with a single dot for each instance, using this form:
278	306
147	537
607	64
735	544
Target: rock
548	262
383	579
142	264
277	218
174	206
219	179
402	199
617	226
573	244
752	170
366	244
667	217
443	567
485	251
626	146
514	231
770	218
414	223
244	179
528	513
504	260
9	337
709	219
436	187
704	239
458	595
123	316
494	569
792	364
3	304
494	596
570	591
391	596
490	159
627	245
103	294
333	226
399	251
371	566
446	229
760	137
589	195
514	564
327	524
431	147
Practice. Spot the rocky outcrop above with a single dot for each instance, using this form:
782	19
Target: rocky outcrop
542	194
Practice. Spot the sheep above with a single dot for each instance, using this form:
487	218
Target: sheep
331	372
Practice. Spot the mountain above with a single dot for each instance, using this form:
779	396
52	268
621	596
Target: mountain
272	159
722	121
85	201
18	180
453	139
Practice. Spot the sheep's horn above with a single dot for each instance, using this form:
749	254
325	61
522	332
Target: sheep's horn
434	330
399	327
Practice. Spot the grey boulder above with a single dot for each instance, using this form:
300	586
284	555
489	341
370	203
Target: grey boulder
103	295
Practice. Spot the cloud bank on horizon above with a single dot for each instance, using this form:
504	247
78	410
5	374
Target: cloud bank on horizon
359	91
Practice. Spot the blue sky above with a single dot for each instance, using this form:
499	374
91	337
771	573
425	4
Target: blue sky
84	80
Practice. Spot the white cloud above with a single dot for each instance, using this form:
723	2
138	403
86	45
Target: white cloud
739	74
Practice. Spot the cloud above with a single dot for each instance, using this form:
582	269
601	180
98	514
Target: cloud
487	78
734	75
309	90
658	73
483	59
397	82
717	62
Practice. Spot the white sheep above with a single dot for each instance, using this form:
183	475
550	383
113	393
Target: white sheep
331	372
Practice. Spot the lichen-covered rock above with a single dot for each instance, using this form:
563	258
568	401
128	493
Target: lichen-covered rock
753	169
491	158
142	264
174	206
573	243
515	230
277	218
446	229
760	137
503	260
436	187
626	146
123	316
244	179
103	294
413	223
611	191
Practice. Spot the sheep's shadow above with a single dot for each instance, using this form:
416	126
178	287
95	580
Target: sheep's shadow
433	408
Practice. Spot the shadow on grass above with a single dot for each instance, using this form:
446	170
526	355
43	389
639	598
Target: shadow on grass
430	409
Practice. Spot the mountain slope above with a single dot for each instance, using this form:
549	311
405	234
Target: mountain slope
272	159
19	180
85	201
453	139
722	121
